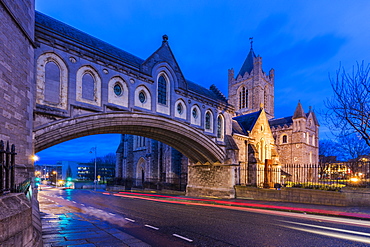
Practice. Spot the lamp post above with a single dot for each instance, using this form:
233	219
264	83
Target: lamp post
55	174
36	158
94	148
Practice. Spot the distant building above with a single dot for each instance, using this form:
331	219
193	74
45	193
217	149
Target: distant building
75	171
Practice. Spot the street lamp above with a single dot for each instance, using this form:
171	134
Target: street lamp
94	149
55	174
36	158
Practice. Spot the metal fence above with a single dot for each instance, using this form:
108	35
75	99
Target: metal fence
328	176
7	168
168	183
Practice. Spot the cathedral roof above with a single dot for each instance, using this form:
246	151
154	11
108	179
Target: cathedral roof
72	33
299	112
245	123
205	92
248	63
281	121
78	36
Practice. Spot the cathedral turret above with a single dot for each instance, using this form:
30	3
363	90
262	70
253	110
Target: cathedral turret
252	87
299	118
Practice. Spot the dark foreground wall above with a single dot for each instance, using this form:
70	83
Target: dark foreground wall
346	197
19	224
17	25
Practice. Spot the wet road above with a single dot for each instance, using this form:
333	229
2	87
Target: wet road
161	221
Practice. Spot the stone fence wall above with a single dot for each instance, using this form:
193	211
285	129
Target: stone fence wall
20	223
346	197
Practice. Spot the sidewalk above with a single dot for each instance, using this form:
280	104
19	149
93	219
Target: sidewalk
67	226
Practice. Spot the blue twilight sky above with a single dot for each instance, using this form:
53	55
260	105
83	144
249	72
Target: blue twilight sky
304	41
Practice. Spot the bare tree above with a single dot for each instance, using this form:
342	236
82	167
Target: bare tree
349	108
328	148
352	146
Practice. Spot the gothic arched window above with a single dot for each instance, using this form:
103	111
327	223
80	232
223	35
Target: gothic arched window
208	121
52	83
265	98
220	127
243	98
162	90
88	87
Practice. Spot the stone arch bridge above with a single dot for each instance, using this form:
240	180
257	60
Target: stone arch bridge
85	86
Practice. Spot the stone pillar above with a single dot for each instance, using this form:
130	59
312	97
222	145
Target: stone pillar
211	180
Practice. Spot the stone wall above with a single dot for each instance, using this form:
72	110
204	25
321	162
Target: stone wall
16	222
16	79
346	197
211	181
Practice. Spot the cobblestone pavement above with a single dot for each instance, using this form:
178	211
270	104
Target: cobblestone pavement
67	225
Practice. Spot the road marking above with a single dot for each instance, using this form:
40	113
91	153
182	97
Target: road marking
153	227
111	214
182	237
329	228
130	219
82	204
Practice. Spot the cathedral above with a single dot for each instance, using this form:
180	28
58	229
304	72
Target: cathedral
258	140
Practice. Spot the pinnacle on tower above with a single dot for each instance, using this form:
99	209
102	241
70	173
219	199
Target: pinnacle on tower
299	112
249	61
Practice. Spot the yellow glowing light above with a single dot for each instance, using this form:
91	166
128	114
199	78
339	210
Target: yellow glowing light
35	158
60	182
354	179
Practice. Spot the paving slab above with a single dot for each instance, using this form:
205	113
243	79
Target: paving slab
65	226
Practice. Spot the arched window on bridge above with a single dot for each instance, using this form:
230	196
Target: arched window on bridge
162	90
88	87
208	121
220	127
118	91
195	115
52	83
180	109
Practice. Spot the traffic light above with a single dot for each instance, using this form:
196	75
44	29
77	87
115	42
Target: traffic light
68	182
37	181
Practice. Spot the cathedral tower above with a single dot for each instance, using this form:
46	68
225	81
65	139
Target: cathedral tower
251	88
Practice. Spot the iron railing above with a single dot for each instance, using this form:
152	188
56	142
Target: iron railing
328	176
7	168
